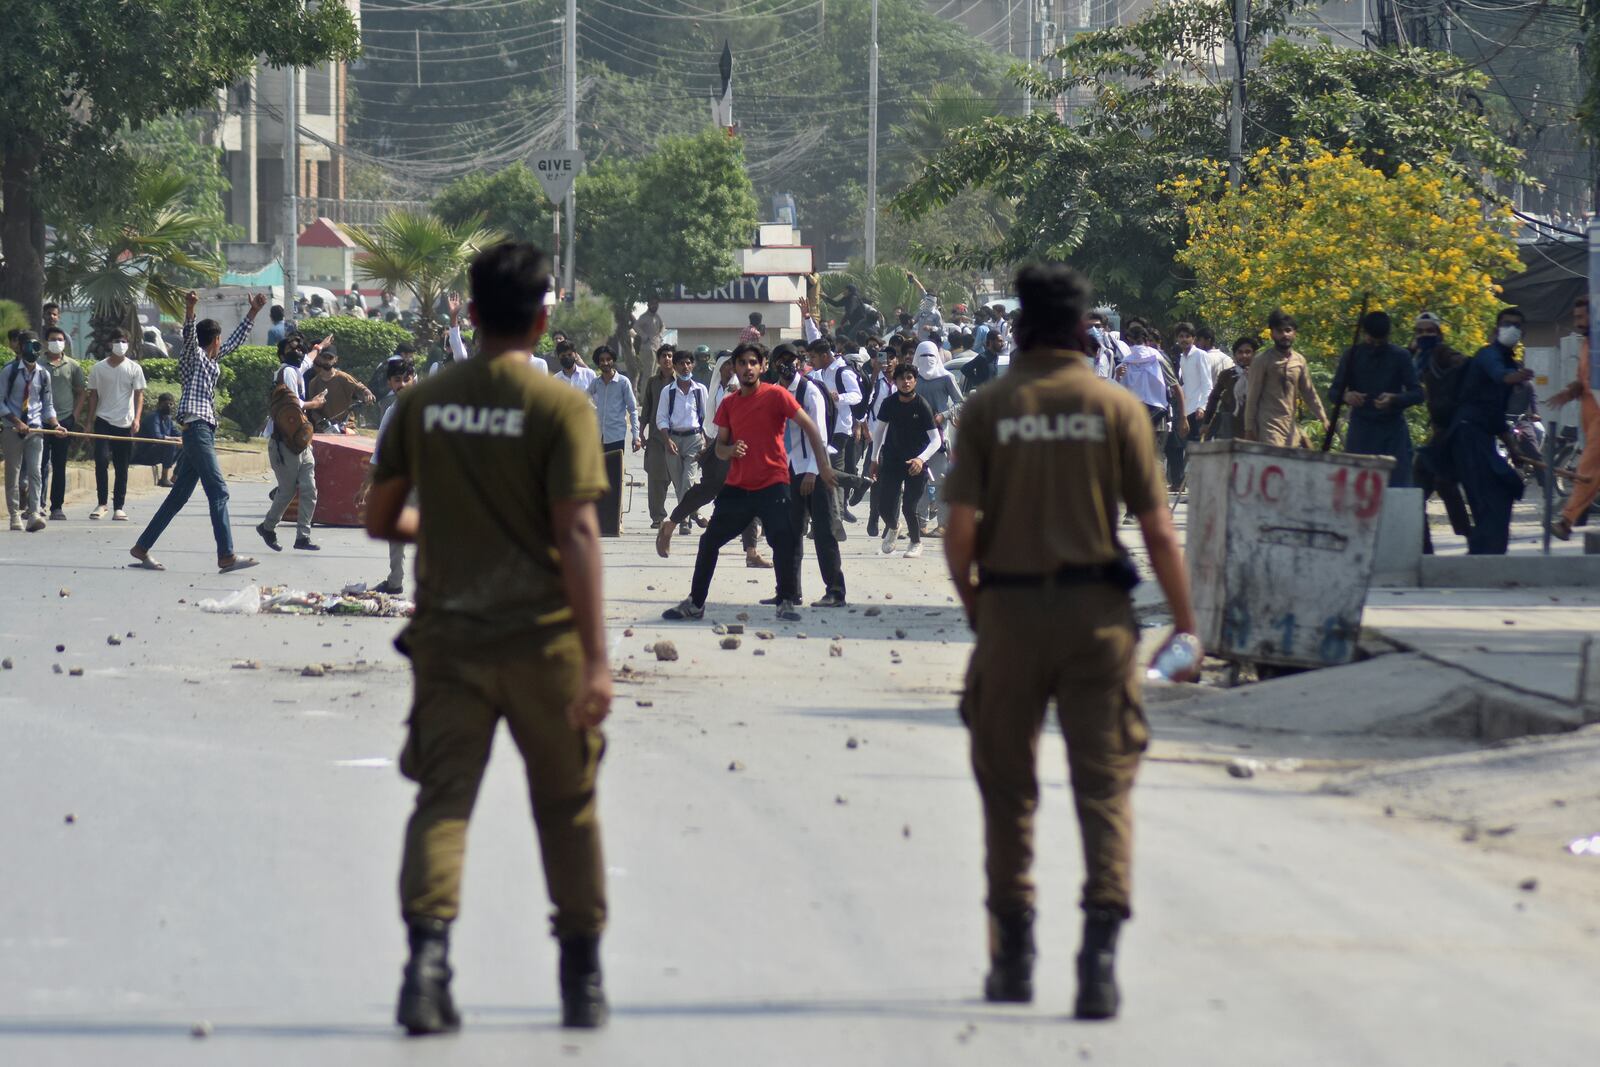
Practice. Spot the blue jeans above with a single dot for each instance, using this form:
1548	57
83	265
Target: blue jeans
196	464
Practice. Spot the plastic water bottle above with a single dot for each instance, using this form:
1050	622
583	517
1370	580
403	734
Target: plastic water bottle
1179	657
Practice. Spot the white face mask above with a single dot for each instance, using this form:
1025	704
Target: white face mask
56	347
1509	336
119	348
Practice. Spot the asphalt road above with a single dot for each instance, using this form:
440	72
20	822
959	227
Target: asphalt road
235	838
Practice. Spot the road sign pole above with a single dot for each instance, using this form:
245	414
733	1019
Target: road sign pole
572	139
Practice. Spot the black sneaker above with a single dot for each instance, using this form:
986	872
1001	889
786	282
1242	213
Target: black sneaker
387	588
832	600
270	537
305	544
770	601
788	611
685	611
847	516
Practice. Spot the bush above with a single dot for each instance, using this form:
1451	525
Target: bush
165	369
248	373
362	344
12	317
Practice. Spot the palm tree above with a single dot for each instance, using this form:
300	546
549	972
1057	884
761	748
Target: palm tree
150	247
421	253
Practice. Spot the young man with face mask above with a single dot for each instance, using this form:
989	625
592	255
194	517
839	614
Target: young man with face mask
808	502
28	402
70	391
571	373
1378	380
199	367
1277	378
905	438
680	415
1492	485
296	472
116	404
1439	368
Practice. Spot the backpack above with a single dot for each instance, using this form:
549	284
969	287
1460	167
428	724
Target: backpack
289	422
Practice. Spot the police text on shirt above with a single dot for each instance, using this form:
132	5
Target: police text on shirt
459	418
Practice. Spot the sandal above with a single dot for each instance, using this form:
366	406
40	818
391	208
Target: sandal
238	563
144	562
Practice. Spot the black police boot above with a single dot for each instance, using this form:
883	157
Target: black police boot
1097	980
583	1000
1011	955
426	1006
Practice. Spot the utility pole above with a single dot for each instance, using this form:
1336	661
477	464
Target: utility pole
1241	30
291	189
572	139
1033	20
871	251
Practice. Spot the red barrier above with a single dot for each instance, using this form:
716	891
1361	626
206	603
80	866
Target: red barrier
342	464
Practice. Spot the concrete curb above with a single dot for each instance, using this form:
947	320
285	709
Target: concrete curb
80	474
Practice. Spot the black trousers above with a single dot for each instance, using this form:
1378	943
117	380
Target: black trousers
735	510
817	506
713	475
892	479
116	454
54	468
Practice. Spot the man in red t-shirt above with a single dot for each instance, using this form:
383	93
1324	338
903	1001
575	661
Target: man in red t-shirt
750	425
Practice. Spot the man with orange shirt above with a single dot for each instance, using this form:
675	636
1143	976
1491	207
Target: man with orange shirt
1587	484
750	426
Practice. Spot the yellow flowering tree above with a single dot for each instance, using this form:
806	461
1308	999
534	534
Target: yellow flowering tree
1311	231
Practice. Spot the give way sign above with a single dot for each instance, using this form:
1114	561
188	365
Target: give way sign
556	169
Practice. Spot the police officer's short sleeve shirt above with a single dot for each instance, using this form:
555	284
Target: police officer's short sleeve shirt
1046	454
490	449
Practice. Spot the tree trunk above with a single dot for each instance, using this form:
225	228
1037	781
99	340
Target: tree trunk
21	229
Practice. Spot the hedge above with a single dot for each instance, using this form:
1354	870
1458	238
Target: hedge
362	344
249	371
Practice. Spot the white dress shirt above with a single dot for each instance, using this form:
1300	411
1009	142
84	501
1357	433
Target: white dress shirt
685	413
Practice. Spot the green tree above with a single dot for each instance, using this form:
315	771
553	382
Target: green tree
422	254
77	75
1094	191
676	217
511	201
147	246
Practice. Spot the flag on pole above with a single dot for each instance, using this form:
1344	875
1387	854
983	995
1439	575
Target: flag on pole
722	101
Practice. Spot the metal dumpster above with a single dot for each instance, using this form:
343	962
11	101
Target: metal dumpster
1280	547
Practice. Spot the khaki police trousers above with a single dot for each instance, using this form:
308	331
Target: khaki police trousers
457	707
1076	644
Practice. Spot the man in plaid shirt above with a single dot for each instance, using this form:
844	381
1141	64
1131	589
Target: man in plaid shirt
198	369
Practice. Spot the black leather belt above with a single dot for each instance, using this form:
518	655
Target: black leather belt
1120	573
684	433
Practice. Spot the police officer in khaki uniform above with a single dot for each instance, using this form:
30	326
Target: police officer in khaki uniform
1048	454
509	625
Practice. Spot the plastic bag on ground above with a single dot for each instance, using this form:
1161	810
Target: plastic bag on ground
246	601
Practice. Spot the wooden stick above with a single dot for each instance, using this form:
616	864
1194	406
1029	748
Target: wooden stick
133	440
110	437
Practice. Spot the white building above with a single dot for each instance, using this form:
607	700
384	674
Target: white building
773	277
